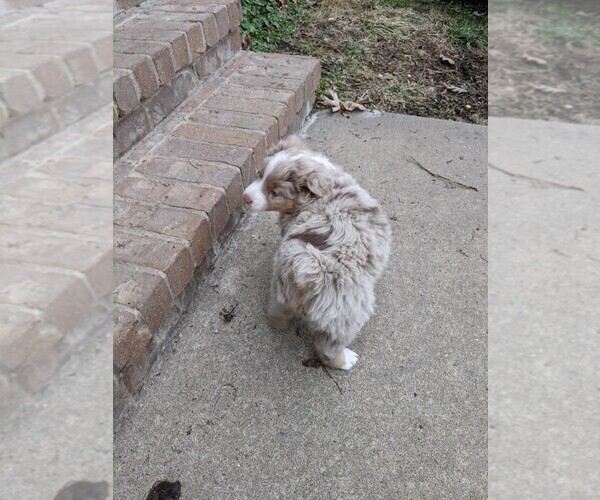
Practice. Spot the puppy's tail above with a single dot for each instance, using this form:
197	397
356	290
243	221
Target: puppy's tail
290	142
309	274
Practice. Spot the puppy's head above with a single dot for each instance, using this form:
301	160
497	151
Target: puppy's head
291	176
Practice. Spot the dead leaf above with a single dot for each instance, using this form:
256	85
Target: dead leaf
336	104
228	312
547	89
447	60
312	363
455	89
534	60
478	14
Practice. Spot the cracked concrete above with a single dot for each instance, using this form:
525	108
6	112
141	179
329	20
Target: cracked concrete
544	316
230	411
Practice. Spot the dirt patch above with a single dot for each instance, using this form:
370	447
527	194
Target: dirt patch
544	61
391	53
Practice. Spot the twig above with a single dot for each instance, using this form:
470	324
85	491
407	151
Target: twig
445	179
334	380
539	182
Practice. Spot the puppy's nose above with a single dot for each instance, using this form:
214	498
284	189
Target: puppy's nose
247	199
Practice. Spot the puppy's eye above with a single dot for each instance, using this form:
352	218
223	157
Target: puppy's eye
274	194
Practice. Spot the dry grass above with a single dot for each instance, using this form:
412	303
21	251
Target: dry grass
390	52
561	37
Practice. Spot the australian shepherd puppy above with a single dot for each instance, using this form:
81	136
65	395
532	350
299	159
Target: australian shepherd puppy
335	243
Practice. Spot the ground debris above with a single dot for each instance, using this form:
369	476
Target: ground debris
456	89
450	182
312	363
165	490
228	312
336	104
536	182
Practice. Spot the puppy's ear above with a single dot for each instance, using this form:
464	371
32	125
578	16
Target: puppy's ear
311	177
290	142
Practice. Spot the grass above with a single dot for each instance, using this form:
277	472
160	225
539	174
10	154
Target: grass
388	50
266	23
565	29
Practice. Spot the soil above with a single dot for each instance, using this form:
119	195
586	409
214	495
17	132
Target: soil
392	57
563	81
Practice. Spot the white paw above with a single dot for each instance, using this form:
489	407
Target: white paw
351	358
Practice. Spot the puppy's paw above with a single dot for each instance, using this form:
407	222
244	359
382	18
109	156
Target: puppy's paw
350	359
278	322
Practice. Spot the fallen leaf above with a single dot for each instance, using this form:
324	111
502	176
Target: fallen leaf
336	104
312	363
534	60
228	312
478	14
547	89
447	60
455	89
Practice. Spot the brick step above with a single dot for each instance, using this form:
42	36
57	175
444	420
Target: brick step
178	195
56	248
53	72
162	53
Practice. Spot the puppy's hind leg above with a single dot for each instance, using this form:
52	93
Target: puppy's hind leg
334	354
279	315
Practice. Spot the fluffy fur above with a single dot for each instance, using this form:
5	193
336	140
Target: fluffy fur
335	242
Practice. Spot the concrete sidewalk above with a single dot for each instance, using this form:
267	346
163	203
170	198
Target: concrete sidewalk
230	411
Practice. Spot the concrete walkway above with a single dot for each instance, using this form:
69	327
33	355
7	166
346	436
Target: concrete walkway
230	411
544	314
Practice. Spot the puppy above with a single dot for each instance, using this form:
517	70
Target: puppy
335	243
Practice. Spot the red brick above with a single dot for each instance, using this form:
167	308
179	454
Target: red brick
219	175
45	189
80	102
176	39
41	365
25	131
64	298
102	42
253	106
207	64
179	195
219	11
19	92
233	8
143	70
239	120
143	291
170	257
236	40
267	69
308	68
207	20
131	337
49	71
23	335
189	150
254	140
158	51
69	166
190	225
168	97
287	97
130	130
194	32
68	218
268	82
67	252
